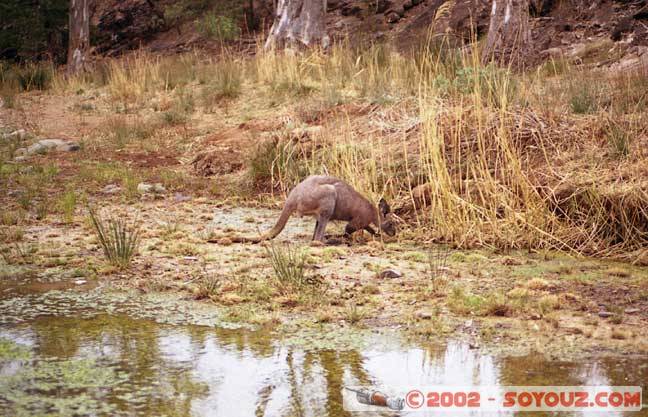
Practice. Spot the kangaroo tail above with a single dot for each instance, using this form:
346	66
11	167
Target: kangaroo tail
270	234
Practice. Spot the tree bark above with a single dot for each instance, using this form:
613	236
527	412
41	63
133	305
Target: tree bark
299	23
508	34
79	39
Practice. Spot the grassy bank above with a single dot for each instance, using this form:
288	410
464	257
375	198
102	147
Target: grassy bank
473	155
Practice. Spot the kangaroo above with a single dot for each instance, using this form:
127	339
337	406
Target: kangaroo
328	198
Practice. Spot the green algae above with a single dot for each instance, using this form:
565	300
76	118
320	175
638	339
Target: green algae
10	350
162	308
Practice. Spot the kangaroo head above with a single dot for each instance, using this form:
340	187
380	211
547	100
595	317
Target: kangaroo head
387	223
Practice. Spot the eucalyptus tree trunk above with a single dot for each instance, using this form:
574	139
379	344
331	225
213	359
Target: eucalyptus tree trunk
508	34
79	41
299	23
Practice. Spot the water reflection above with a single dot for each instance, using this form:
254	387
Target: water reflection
190	370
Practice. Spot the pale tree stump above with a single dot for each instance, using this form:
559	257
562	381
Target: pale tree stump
299	23
508	34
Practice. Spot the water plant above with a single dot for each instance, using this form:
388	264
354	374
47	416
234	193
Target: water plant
119	239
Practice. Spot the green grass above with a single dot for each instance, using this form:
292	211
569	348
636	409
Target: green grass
119	240
289	267
67	204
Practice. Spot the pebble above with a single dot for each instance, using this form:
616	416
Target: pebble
111	189
144	188
424	315
605	314
631	310
390	273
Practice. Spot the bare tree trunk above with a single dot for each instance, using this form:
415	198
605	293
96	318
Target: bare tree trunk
299	23
508	34
79	42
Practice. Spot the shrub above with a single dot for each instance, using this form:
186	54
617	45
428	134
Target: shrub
289	266
278	163
121	131
34	76
583	98
218	27
226	83
67	204
118	239
619	140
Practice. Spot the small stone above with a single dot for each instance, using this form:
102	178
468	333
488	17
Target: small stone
473	345
535	316
20	151
19	134
631	310
80	281
179	198
111	189
144	188
68	147
424	315
408	4
392	17
21	158
390	273
605	314
225	241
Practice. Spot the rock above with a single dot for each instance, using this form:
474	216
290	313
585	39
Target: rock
392	17
19	134
424	315
20	151
68	147
179	198
80	281
473	345
631	310
535	316
399	10
111	189
605	314
390	273
22	158
144	188
408	4
225	241
37	148
45	145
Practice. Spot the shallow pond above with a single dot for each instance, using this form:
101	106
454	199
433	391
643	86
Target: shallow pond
76	361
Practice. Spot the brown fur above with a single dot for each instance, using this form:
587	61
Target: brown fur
328	198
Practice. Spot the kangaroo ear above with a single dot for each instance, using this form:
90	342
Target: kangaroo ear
384	207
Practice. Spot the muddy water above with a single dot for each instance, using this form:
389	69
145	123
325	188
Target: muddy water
77	350
117	365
